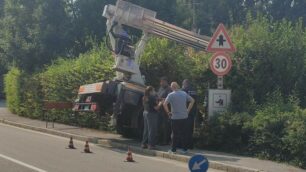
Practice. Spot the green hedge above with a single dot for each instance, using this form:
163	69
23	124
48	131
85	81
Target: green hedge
23	93
61	81
12	89
58	82
280	132
276	131
225	132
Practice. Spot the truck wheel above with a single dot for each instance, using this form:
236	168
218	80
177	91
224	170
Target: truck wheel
121	129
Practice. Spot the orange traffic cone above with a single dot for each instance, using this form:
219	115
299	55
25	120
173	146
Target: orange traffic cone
129	157
71	146
86	149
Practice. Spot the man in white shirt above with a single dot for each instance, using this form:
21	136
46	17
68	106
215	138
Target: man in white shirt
179	113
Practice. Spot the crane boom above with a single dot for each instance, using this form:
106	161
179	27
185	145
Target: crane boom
126	56
172	32
144	19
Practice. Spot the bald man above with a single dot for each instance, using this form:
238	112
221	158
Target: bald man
178	100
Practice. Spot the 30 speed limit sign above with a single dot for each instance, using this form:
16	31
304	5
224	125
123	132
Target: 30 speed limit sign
220	64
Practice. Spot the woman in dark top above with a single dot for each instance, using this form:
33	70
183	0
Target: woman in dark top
150	117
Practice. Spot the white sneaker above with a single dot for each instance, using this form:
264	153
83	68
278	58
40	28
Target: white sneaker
184	151
171	152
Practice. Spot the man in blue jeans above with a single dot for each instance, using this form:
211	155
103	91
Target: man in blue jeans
178	100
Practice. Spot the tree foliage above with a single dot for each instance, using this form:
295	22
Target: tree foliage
33	32
61	81
58	82
12	88
164	58
50	49
270	56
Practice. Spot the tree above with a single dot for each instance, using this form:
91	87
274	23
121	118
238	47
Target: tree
1	8
165	9
33	32
271	56
164	58
288	9
87	23
209	13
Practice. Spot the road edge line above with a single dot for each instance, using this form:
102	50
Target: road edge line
22	163
50	131
182	158
112	144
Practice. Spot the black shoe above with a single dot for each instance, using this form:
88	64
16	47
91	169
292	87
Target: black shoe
151	147
163	144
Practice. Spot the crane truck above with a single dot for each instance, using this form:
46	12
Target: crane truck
122	97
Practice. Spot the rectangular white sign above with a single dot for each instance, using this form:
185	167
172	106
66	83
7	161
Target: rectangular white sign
218	101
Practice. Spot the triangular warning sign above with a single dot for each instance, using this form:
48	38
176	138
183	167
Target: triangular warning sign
220	41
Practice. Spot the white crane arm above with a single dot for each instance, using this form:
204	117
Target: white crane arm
144	19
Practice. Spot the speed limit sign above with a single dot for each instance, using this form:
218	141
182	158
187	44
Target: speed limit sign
220	64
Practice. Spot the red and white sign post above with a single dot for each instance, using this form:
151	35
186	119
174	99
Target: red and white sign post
220	63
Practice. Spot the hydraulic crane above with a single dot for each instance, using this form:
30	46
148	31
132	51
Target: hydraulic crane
121	97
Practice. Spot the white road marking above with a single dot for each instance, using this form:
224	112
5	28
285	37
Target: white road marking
41	133
22	163
159	159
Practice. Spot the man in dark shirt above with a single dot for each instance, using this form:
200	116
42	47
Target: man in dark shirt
191	117
164	122
150	117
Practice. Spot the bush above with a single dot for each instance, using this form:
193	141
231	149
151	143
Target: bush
294	138
280	132
165	58
12	89
58	82
22	93
276	131
61	81
226	132
32	98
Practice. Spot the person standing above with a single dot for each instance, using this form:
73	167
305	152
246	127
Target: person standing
150	117
164	122
187	87
179	113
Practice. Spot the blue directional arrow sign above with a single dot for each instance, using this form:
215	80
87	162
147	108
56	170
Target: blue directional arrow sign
198	163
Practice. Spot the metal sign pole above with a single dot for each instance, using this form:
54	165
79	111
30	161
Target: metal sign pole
220	82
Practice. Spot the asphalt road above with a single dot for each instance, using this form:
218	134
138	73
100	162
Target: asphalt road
28	151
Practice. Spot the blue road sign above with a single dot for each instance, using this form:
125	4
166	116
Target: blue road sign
198	163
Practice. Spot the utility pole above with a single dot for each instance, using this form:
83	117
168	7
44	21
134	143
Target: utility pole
191	4
194	25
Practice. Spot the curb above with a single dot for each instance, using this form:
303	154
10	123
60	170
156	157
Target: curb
114	144
50	131
176	157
